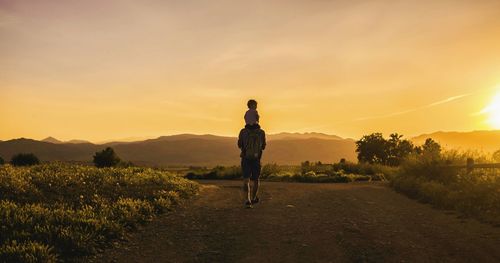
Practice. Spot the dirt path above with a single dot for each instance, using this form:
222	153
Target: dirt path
309	223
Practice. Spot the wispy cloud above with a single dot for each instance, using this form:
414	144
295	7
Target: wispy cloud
392	114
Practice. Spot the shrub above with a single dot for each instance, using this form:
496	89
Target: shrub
431	167
231	172
375	171
24	159
219	172
269	169
106	158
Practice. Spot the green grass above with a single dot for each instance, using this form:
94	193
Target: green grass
61	212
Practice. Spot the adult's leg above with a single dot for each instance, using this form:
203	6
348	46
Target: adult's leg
246	188
245	168
255	190
255	178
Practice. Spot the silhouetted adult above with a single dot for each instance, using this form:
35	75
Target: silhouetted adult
251	141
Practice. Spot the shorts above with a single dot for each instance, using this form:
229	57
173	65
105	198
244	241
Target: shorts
250	168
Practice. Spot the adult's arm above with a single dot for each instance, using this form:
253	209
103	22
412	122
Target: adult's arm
240	140
263	140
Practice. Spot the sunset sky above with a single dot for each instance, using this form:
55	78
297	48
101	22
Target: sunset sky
100	70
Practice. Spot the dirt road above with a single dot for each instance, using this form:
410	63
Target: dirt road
297	222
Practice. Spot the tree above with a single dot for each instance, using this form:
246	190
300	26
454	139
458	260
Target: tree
372	149
398	149
106	158
431	147
24	159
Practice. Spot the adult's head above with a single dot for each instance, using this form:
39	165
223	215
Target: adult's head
252	104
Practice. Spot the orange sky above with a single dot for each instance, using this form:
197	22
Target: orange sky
98	71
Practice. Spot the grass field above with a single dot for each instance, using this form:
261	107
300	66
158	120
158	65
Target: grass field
61	212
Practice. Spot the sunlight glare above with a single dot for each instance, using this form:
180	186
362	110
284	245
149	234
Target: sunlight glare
493	112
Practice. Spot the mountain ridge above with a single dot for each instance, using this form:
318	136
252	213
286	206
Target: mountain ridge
190	149
210	150
483	140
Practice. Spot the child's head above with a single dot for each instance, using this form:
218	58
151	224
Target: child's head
252	104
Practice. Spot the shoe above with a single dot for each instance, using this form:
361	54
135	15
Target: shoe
255	200
248	204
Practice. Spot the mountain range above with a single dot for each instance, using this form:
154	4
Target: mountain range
211	150
189	149
485	141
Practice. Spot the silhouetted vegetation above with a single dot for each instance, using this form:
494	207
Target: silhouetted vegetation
106	158
496	156
432	178
2	161
430	148
427	173
375	149
219	172
24	159
63	212
311	172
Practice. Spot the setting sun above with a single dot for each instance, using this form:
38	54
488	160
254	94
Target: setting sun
493	112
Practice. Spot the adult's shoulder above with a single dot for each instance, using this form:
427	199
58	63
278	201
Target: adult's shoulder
244	130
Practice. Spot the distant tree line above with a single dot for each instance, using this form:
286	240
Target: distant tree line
375	149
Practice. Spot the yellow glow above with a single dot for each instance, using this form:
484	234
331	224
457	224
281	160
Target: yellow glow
493	112
106	71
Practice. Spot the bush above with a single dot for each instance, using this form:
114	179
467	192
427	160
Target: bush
24	159
219	172
269	169
106	158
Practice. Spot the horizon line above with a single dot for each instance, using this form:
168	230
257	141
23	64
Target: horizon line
139	138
